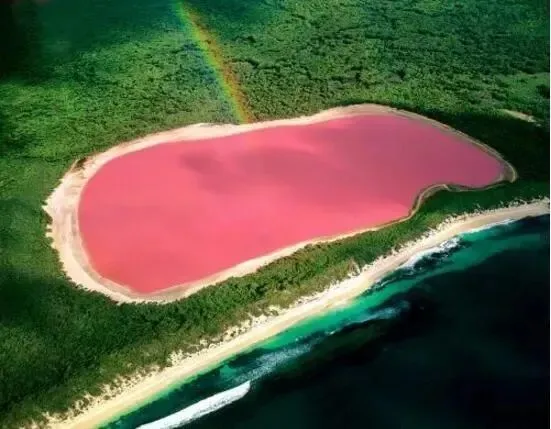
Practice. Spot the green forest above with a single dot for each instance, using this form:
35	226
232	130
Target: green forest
79	77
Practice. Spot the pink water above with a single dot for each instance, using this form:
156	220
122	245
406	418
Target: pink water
182	211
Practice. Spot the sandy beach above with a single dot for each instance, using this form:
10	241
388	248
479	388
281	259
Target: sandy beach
141	389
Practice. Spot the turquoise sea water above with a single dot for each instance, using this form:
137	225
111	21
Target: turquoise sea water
458	338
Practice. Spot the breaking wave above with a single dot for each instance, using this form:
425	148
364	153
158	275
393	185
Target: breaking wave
200	409
422	261
384	313
490	226
430	257
442	249
269	362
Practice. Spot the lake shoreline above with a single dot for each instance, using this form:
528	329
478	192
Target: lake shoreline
64	205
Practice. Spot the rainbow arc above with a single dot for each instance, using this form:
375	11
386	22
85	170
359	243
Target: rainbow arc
212	53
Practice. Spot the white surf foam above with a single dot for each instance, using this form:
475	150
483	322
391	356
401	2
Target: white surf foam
489	226
382	314
270	362
387	313
444	247
200	409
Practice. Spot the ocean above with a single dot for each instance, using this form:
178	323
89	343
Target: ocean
458	337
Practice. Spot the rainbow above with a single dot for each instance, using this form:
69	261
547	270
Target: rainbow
213	56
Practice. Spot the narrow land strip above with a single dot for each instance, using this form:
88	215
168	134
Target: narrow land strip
138	391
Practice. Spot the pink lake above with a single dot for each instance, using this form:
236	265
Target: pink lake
179	212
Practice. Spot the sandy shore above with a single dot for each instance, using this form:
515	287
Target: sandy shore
143	388
62	205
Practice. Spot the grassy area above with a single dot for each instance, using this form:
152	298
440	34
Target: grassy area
303	56
76	78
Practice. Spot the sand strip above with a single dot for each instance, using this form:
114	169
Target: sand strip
101	411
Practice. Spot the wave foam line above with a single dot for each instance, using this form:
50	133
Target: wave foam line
446	246
270	362
213	55
490	226
200	409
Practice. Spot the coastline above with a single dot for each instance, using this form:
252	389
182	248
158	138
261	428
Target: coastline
141	389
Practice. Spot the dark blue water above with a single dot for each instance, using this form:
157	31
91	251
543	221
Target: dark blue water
456	339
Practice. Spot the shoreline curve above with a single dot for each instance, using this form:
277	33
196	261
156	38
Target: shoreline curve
140	390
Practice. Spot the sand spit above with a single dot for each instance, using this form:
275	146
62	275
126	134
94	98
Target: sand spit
519	115
134	391
63	203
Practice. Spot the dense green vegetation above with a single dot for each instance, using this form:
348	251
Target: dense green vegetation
450	54
77	77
